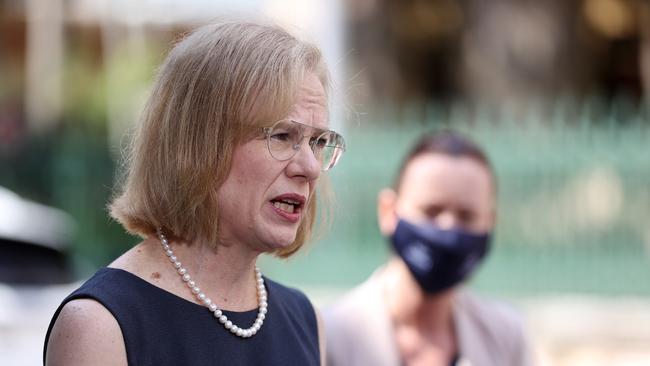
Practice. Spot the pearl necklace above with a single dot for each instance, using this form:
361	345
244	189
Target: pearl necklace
218	313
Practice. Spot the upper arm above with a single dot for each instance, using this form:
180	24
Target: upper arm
85	333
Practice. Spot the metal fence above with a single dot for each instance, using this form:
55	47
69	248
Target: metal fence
574	200
574	197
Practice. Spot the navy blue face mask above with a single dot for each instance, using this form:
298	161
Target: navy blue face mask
437	258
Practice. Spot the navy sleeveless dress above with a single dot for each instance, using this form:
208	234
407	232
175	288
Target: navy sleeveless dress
160	328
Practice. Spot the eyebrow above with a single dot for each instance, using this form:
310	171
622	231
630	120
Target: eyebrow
318	129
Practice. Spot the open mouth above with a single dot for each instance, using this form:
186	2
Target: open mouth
289	203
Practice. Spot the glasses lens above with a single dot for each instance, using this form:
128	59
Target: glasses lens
328	148
282	139
285	136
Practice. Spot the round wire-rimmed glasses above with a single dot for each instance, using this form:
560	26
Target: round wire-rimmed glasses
285	137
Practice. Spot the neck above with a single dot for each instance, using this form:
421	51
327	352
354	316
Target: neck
225	273
409	305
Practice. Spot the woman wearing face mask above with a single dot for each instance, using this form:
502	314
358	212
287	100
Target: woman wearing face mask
413	311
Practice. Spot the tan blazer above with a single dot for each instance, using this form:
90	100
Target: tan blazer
359	332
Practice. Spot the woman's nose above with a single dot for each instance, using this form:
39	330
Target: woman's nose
304	163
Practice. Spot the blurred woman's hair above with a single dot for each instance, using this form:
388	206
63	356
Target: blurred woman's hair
448	143
214	91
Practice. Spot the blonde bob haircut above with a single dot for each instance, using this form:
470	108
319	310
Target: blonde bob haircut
214	91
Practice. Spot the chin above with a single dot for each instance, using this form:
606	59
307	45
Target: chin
284	243
278	241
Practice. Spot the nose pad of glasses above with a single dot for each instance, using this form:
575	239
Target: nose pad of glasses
296	147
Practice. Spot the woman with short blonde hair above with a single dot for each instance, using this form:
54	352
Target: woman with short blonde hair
173	177
223	167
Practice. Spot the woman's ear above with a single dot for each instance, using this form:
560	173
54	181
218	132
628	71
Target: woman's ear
386	216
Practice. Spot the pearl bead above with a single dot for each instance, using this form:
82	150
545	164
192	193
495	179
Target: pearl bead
217	313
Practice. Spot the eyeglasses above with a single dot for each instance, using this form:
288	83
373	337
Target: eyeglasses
285	137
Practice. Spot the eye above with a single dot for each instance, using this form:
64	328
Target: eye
318	141
281	136
433	211
466	217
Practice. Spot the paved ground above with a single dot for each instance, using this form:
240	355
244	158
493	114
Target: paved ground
591	331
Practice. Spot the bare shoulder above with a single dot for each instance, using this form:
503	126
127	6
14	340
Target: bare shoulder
85	333
139	260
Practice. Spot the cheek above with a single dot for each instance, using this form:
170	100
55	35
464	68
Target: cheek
485	212
253	184
312	186
409	212
251	169
487	221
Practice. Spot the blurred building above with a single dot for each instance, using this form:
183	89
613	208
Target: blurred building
41	39
501	51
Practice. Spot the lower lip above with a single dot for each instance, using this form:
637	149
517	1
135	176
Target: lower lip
291	217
